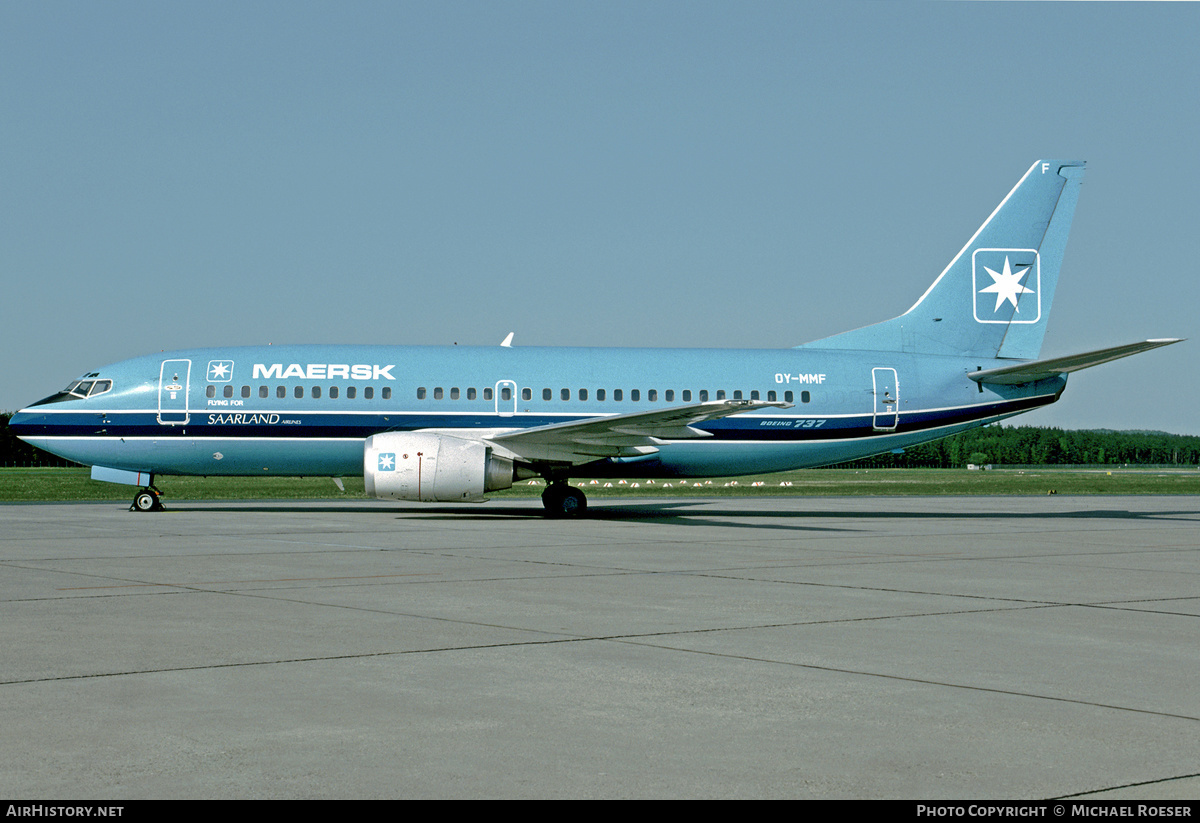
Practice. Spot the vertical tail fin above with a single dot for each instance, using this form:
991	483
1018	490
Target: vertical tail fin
994	298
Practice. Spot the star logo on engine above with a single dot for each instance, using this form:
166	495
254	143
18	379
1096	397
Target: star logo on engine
387	462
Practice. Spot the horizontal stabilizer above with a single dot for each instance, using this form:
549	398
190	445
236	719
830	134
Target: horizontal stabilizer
1041	369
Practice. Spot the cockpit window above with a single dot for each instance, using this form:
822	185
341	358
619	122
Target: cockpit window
88	388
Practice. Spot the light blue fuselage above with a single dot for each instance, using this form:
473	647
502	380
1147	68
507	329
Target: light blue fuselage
846	404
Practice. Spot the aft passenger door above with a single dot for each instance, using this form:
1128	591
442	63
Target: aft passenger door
173	392
886	390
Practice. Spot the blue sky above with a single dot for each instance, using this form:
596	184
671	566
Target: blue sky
738	174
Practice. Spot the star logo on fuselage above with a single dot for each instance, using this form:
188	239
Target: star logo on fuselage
1007	284
220	371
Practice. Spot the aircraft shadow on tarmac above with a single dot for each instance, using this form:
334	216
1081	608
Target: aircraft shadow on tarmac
699	512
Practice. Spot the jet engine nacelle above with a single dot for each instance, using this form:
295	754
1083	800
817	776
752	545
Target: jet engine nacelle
432	468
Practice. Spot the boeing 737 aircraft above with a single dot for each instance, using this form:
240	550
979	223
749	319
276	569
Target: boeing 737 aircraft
454	423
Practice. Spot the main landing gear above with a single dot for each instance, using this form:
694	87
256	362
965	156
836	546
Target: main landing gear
562	500
147	500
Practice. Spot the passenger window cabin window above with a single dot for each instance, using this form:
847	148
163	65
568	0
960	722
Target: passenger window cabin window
652	395
720	394
262	391
583	394
565	394
669	395
805	397
771	396
687	395
737	395
281	392
635	395
547	394
420	392
600	395
526	393
506	393
245	391
316	392
227	391
387	392
487	394
211	391
369	393
454	393
618	395
470	394
754	394
788	396
703	395
437	392
351	392
333	392
299	392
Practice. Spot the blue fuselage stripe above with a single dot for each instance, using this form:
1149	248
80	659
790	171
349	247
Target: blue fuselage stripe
292	425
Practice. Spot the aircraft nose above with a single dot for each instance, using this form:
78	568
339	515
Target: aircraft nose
20	423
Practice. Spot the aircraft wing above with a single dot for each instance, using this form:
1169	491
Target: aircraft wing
581	441
1041	369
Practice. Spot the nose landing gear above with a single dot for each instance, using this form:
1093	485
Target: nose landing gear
147	500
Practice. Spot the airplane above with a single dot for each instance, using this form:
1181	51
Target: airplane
452	423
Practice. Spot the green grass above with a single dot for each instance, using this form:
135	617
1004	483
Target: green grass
76	484
51	484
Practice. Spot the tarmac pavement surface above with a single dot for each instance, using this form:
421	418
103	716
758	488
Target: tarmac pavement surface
922	648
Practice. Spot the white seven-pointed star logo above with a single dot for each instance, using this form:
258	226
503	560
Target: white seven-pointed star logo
1006	285
387	462
220	371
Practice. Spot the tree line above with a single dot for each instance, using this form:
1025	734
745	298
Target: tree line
1000	445
1037	446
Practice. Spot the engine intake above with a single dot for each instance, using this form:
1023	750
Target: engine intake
432	468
